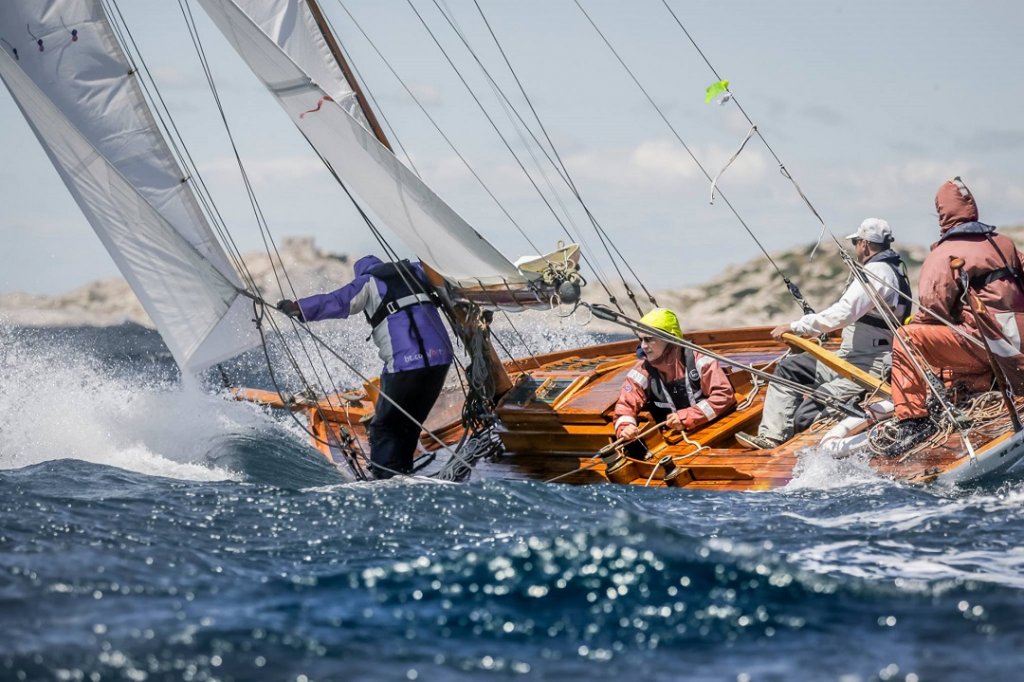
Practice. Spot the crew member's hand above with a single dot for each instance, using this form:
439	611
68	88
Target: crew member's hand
780	330
290	308
629	432
674	422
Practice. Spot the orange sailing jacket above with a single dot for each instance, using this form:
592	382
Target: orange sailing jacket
718	394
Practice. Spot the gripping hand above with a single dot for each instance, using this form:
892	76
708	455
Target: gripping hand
290	308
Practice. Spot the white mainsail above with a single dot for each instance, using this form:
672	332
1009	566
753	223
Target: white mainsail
65	69
276	39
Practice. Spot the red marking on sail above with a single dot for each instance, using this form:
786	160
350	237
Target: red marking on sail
319	103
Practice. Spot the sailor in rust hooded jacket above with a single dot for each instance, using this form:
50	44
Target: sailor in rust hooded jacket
992	261
994	269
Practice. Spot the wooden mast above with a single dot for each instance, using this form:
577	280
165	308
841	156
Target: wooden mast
325	30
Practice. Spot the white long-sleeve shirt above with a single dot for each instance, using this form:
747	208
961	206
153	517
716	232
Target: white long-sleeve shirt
853	304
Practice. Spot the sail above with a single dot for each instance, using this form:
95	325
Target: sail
64	68
264	32
293	28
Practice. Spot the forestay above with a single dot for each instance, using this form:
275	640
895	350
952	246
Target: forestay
73	83
266	34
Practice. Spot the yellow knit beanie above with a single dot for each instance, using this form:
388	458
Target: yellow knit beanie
663	319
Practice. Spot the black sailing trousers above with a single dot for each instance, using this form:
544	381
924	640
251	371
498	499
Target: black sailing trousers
393	436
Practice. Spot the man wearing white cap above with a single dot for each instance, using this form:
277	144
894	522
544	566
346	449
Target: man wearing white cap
867	339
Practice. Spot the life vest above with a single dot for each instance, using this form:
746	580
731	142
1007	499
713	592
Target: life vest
903	306
979	280
399	296
666	397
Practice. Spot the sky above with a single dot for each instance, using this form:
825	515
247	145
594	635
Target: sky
869	105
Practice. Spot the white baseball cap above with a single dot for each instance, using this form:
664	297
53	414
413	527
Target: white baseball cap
873	230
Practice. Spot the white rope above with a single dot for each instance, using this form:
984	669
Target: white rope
750	134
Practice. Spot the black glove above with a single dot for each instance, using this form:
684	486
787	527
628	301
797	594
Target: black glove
290	308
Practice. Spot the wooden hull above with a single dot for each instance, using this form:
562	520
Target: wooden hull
559	414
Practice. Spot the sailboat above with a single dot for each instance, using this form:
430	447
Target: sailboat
548	417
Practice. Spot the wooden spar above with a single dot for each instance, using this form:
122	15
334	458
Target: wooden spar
325	30
841	367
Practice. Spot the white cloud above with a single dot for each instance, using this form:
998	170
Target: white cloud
172	77
1015	196
891	186
428	95
663	164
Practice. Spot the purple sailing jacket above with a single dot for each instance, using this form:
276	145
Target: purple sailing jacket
412	337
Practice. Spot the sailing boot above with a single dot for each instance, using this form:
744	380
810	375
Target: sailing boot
907	433
758	442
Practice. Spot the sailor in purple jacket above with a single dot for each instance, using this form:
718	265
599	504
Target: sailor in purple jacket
411	340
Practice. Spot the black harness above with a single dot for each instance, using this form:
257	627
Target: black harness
981	279
902	307
666	397
398	296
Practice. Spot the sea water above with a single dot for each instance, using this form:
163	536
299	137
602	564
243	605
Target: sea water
153	530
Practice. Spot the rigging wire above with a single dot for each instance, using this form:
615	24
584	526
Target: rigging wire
180	150
560	168
497	130
265	234
455	150
566	176
926	374
437	127
166	122
782	167
794	290
519	126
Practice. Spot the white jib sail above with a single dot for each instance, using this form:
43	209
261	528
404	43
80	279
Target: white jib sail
264	34
74	85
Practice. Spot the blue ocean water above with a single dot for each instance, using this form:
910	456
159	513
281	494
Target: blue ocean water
152	531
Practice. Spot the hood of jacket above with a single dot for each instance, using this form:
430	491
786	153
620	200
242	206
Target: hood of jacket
955	205
365	264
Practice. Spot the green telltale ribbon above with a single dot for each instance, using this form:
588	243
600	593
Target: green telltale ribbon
714	90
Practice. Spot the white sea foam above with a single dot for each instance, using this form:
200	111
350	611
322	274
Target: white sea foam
57	402
913	567
895	541
818	470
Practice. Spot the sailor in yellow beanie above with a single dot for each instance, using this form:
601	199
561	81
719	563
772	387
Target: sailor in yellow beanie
681	387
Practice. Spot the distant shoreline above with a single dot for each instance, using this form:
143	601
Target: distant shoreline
744	294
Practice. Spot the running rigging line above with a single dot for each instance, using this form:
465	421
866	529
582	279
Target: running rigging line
497	130
794	290
554	150
378	111
599	274
265	234
859	272
557	162
437	127
184	158
320	344
519	125
782	167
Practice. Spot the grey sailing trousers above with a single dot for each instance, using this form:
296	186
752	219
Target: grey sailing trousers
787	412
